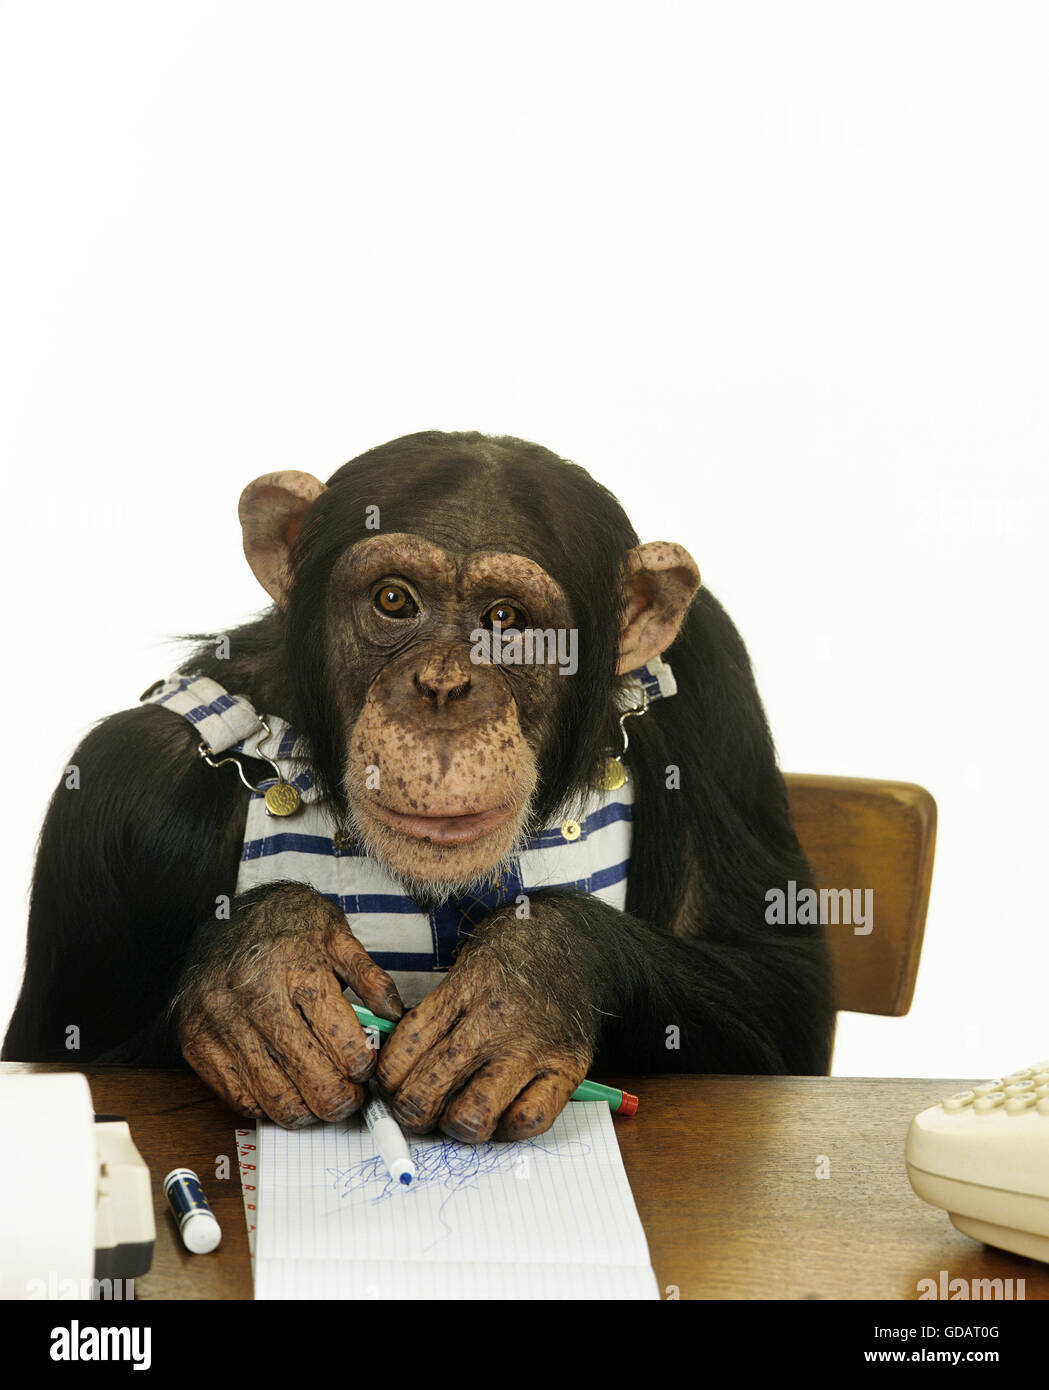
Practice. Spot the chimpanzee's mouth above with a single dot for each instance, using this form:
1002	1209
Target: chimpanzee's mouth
443	830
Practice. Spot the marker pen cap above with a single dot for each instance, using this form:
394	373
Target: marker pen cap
201	1233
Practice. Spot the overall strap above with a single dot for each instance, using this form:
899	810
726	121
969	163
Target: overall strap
222	720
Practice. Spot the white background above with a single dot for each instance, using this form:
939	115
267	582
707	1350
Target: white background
776	274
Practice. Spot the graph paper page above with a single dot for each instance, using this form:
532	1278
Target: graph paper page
550	1217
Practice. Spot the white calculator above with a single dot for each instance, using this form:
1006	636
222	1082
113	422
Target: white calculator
983	1156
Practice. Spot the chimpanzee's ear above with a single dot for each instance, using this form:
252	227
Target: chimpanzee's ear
659	581
271	511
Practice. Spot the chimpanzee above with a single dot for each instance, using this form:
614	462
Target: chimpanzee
488	757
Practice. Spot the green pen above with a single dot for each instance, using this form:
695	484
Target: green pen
620	1102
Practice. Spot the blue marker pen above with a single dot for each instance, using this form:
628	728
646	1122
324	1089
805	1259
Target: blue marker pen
391	1143
200	1231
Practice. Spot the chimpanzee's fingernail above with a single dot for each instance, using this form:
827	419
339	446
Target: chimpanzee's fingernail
348	1106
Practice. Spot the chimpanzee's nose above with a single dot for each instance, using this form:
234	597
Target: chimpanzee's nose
441	684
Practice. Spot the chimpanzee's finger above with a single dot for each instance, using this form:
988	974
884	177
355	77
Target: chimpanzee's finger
422	1027
272	1087
330	1016
329	1094
369	981
538	1105
420	1099
215	1065
291	1043
473	1114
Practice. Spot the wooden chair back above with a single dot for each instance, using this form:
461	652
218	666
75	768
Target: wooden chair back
860	834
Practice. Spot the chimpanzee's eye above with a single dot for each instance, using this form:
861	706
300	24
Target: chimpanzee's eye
506	615
394	601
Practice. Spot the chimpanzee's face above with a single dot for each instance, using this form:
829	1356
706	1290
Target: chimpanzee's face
435	744
442	742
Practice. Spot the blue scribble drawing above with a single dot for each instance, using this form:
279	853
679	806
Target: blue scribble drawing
446	1165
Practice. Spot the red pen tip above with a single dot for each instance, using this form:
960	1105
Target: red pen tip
629	1105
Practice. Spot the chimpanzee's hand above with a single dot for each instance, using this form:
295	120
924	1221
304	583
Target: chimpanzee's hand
262	1017
503	1041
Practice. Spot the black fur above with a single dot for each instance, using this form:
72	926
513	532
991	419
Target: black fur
130	865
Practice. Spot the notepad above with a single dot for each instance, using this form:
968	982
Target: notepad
546	1218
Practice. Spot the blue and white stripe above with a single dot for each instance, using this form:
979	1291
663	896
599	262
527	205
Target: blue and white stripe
414	946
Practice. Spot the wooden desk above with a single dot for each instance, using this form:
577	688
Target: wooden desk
723	1170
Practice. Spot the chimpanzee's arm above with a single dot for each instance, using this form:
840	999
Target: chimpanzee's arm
711	836
131	860
139	952
533	1004
743	1001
